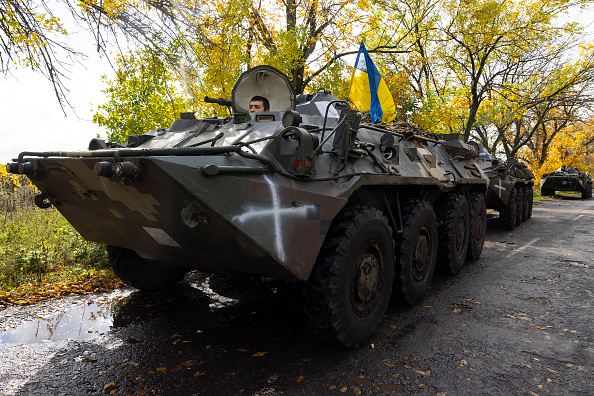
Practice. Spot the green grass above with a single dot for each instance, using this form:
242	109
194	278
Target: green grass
41	253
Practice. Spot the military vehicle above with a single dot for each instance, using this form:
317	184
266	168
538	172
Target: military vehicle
510	188
305	192
566	178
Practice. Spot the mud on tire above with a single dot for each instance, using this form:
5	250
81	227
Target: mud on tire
349	288
528	199
454	212
507	214
416	252
478	226
143	274
520	202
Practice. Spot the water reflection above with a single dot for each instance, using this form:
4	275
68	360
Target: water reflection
75	322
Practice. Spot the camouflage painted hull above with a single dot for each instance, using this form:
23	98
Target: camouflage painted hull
173	213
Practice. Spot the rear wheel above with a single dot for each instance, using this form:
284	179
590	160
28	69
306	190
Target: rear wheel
454	212
417	252
349	288
141	273
587	193
546	192
529	194
478	226
519	204
507	215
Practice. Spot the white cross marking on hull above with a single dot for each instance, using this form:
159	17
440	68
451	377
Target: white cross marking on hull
499	187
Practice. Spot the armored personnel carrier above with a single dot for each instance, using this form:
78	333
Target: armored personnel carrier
305	192
566	178
510	188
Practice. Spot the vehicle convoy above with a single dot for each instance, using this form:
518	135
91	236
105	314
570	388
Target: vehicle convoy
566	178
359	213
510	188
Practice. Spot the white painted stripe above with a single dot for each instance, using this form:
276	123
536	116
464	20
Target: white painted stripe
161	237
276	209
518	250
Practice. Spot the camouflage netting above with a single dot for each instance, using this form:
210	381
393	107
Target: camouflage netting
400	126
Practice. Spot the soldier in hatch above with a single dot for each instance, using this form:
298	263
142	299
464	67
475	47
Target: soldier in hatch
259	104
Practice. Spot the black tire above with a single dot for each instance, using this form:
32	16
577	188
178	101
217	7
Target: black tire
143	274
519	204
547	193
507	214
454	212
529	201
350	286
478	226
587	191
416	252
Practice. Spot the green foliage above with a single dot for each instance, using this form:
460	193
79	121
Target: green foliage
142	96
36	243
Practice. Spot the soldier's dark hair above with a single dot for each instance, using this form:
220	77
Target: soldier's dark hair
263	100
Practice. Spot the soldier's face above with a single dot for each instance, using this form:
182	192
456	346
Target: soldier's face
256	106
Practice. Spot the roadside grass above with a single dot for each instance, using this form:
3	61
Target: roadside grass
41	254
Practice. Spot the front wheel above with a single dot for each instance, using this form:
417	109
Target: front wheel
349	288
143	274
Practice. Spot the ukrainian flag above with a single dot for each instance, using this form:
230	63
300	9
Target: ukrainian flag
369	90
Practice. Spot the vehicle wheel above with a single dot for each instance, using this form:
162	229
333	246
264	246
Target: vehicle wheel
478	226
454	212
507	215
519	204
529	201
587	191
349	288
141	273
545	192
416	252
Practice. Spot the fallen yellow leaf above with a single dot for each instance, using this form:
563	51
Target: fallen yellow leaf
109	385
258	354
343	389
199	373
300	378
141	392
162	369
357	390
549	380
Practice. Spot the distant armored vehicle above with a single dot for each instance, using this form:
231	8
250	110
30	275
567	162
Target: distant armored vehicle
566	178
510	188
305	192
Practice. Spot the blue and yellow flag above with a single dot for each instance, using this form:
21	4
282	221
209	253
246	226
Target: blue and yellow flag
369	90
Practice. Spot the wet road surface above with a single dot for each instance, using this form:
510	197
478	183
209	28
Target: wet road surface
518	321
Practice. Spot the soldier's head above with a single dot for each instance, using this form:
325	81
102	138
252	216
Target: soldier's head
259	104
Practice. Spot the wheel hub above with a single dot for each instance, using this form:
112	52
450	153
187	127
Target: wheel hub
367	280
421	255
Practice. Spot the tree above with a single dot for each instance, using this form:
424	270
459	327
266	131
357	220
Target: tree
143	95
29	37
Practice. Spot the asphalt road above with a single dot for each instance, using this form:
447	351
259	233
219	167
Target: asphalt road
516	322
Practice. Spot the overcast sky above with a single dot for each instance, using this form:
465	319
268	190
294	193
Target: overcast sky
31	118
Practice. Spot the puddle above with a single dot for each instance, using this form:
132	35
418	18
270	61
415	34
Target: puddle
75	322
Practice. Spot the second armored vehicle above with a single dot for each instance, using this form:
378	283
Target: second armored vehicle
510	188
566	178
304	192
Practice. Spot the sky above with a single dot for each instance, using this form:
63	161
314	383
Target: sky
31	118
